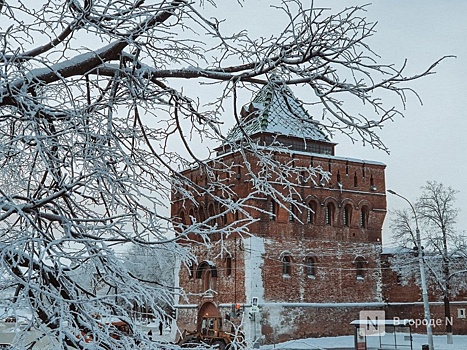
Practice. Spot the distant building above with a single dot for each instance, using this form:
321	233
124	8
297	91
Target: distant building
303	272
310	268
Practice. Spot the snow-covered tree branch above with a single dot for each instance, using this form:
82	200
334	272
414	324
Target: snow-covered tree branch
443	248
97	121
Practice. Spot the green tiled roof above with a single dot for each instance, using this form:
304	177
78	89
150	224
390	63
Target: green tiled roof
276	110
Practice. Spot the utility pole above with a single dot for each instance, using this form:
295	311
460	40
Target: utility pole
421	263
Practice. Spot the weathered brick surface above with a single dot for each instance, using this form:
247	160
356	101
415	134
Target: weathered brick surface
297	305
404	300
335	279
335	248
306	322
415	312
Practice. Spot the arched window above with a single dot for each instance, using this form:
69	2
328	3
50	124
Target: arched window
321	180
329	214
372	183
303	178
360	267
191	215
228	265
310	266
223	213
201	213
211	214
182	218
291	212
206	271
207	280
286	265
347	215
272	210
364	214
191	269
311	215
294	211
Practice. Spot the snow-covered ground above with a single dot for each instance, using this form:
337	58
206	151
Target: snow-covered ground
460	343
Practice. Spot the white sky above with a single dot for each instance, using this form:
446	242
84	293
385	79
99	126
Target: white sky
431	142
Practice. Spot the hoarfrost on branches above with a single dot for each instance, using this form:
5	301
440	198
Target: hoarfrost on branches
443	248
95	130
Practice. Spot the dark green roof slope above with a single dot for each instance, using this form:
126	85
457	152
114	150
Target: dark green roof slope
276	110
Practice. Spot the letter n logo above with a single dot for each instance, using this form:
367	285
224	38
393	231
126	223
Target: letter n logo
372	323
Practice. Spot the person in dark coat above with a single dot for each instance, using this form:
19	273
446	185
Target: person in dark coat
160	327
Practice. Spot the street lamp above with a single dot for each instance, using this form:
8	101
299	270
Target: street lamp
421	263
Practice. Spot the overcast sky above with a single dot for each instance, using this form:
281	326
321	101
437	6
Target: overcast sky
431	142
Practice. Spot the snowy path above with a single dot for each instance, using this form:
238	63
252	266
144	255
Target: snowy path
347	342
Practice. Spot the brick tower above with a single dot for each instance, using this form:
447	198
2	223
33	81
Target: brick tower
304	270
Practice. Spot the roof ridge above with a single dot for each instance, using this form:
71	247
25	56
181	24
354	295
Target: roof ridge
275	109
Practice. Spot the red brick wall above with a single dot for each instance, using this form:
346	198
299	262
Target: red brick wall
404	300
335	247
229	288
415	311
335	279
307	322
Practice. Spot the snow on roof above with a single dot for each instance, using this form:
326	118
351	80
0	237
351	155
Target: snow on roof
276	110
325	156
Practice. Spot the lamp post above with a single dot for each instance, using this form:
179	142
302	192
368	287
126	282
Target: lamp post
421	263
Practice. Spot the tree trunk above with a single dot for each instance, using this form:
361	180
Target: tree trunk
447	314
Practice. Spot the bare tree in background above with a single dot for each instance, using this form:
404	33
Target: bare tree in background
444	248
155	267
437	211
95	127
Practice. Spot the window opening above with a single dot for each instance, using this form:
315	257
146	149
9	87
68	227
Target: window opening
460	313
311	219
347	215
310	267
192	216
359	268
364	217
286	265
207	279
272	210
211	213
228	265
291	212
329	215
